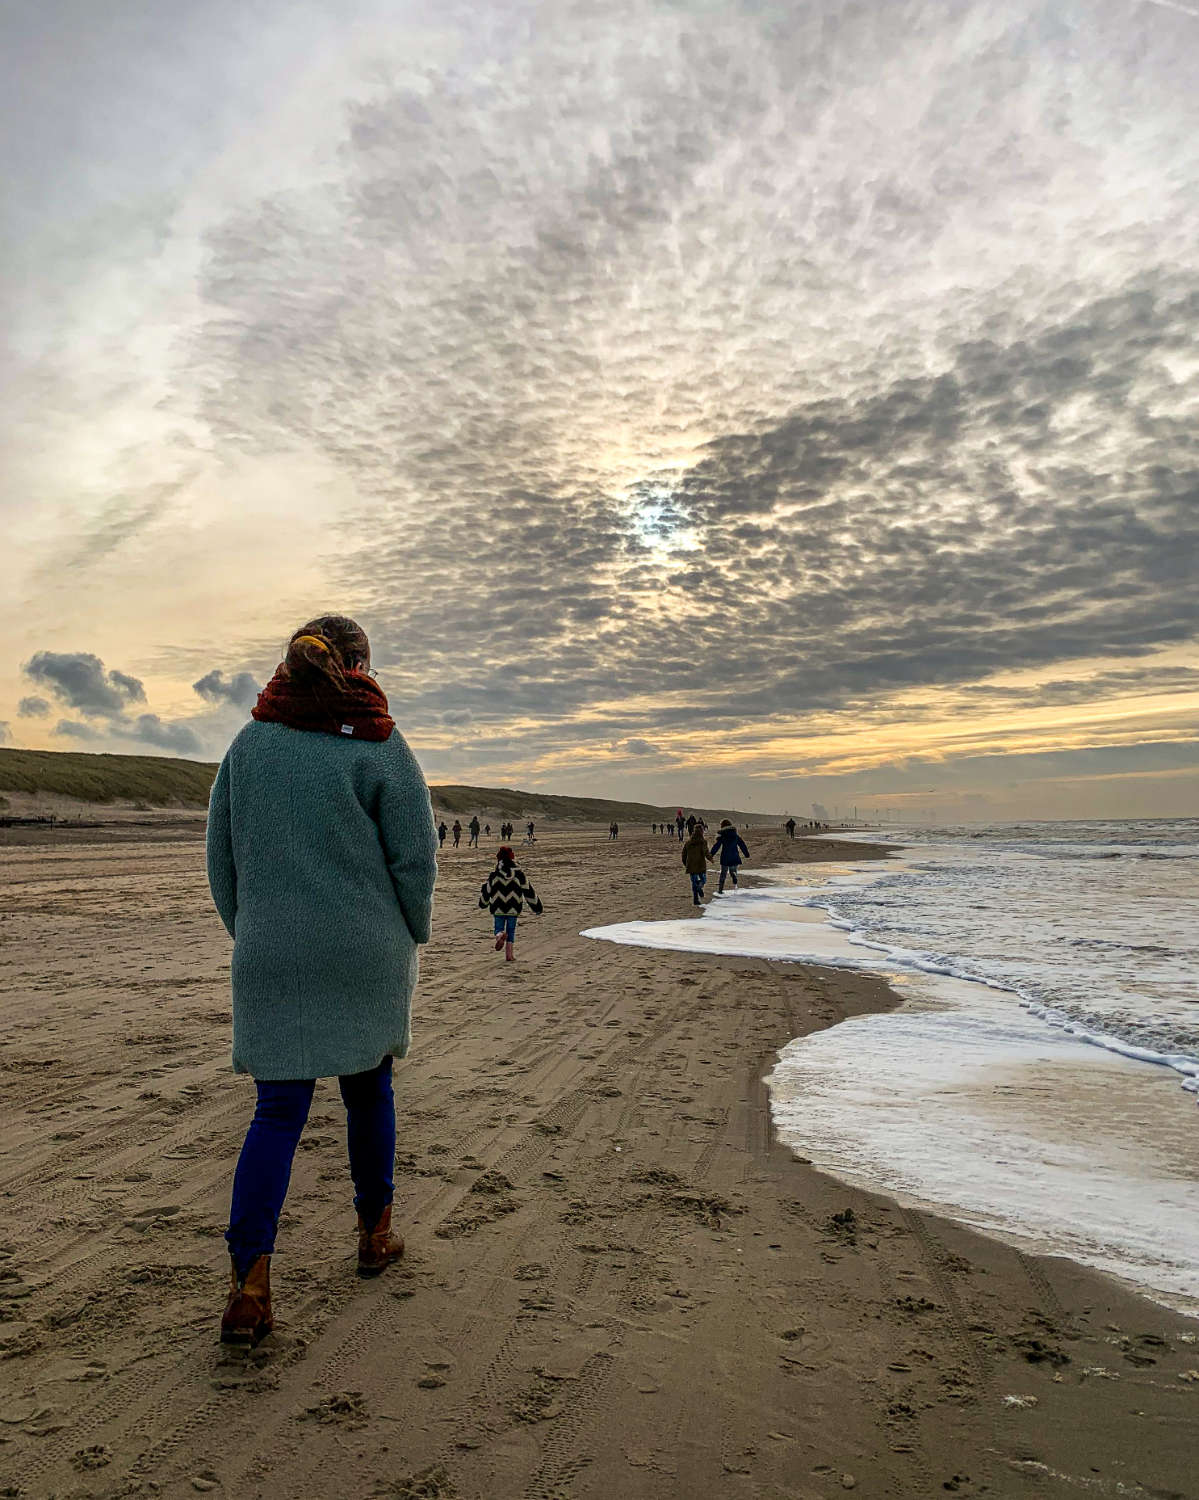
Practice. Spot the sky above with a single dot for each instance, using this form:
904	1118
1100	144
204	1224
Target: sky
777	405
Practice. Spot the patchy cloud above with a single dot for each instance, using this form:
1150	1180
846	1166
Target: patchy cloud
103	695
79	679
72	729
241	689
178	737
33	708
1150	679
926	778
639	747
151	730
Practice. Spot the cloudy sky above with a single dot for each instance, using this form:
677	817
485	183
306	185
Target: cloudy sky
769	403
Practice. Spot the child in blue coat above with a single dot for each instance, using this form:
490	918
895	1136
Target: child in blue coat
730	846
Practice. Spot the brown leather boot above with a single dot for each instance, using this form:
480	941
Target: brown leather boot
377	1247
247	1318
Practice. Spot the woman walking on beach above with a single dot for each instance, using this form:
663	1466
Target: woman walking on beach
504	893
695	861
731	846
321	862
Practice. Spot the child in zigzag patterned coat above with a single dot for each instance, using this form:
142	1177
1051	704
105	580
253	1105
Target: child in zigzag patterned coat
505	892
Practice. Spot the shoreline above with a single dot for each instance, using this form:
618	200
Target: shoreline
991	1141
619	1281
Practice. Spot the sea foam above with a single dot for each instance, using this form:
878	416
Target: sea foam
1054	1124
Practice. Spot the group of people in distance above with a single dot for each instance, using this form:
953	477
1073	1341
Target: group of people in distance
674	828
810	826
473	828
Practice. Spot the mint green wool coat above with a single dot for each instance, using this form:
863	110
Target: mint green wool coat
321	862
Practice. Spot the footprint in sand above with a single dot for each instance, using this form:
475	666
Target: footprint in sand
345	1408
98	1456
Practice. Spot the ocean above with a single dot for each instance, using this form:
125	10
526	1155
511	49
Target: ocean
1039	1080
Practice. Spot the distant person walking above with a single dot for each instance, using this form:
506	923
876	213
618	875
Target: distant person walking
442	830
730	846
530	835
678	823
691	825
504	893
474	833
614	830
695	859
457	832
789	825
321	862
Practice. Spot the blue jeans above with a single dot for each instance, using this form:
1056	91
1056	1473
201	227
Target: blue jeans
507	925
264	1167
697	884
725	872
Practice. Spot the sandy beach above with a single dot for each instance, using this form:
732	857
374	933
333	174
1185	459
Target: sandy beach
617	1283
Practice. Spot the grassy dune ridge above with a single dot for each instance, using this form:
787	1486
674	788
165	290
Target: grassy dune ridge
154	781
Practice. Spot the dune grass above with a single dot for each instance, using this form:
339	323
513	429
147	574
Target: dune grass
155	780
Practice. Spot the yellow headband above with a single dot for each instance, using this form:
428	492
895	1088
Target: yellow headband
314	640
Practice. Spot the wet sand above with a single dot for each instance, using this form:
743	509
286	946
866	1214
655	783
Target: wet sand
618	1283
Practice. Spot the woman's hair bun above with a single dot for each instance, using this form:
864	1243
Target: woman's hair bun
327	648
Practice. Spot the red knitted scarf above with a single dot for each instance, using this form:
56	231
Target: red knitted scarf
360	711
